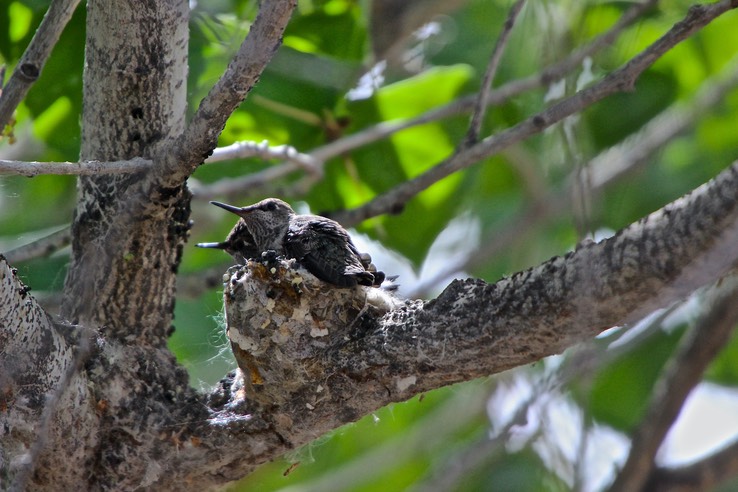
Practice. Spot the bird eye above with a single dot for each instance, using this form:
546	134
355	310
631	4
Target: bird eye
271	206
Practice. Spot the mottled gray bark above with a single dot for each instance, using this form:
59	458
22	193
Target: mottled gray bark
122	275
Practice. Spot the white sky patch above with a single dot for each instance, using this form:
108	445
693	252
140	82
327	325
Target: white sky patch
606	452
368	83
454	244
555	91
586	77
708	421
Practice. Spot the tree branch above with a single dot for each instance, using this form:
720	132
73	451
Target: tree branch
32	63
293	160
480	106
40	247
605	169
704	340
35	381
201	135
244	150
30	169
620	80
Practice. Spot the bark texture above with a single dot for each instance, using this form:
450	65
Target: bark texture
122	276
35	355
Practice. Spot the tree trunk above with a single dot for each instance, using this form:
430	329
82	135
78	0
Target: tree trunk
122	276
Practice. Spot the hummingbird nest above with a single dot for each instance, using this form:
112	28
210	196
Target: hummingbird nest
281	320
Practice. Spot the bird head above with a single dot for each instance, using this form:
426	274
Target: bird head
267	220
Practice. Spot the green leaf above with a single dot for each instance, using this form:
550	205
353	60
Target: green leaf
622	390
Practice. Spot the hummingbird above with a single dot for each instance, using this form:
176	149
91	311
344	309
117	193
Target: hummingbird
239	244
319	244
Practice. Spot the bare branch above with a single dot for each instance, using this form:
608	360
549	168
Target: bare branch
606	169
480	107
84	168
262	150
704	340
32	63
40	247
83	351
620	80
293	161
35	360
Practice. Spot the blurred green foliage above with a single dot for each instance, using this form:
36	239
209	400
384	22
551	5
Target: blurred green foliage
302	100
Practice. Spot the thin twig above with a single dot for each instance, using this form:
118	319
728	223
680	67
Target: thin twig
262	150
480	107
700	345
293	161
622	79
31	64
84	168
40	247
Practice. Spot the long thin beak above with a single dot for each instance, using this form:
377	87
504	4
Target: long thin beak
236	210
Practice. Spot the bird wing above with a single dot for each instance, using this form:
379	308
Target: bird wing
325	249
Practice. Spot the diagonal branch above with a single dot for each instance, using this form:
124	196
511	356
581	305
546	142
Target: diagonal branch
701	344
32	63
40	247
620	80
201	136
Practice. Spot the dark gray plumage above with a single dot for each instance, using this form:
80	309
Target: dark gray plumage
320	244
239	244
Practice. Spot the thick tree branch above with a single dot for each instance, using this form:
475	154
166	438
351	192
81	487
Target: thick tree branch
605	169
620	80
36	384
32	63
327	374
709	334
